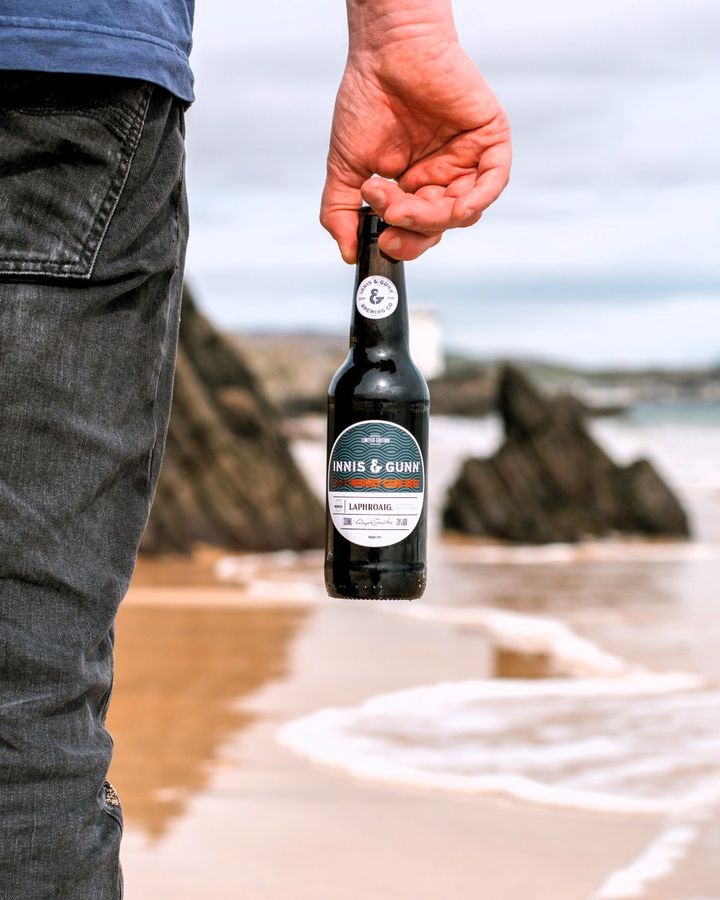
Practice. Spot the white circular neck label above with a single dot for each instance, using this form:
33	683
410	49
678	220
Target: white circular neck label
377	297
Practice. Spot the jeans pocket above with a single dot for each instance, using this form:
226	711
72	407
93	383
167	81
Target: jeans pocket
66	146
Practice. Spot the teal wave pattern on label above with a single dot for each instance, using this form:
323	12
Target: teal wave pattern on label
376	456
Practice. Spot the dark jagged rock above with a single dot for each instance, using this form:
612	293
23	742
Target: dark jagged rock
228	477
463	391
550	481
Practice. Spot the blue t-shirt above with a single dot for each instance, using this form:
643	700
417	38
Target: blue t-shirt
148	39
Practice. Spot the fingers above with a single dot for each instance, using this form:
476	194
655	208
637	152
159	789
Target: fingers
473	169
406	245
380	193
420	217
405	241
339	213
491	182
431	210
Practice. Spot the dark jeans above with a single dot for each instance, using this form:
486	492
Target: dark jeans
93	228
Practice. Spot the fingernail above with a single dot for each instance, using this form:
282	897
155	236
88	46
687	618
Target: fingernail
393	244
469	214
407	222
374	199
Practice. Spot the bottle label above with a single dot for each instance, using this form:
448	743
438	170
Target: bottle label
376	483
377	297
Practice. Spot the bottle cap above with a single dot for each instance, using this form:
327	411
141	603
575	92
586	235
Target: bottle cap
371	225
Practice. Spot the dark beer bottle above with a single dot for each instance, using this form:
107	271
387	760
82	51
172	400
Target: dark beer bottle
378	405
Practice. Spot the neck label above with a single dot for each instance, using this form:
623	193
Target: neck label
376	483
377	297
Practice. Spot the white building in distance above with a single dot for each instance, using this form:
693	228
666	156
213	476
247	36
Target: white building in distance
426	344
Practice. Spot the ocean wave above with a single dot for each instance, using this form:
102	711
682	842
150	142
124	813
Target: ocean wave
656	861
612	550
570	653
245	566
286	576
644	743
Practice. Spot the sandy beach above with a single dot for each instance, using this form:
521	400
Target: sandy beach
273	744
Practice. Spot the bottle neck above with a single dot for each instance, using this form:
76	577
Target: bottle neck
368	332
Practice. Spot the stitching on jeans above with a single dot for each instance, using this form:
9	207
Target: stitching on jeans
125	111
93	111
99	227
178	200
82	265
75	267
116	818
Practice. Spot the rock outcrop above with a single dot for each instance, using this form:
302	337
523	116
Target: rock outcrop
464	391
228	477
550	481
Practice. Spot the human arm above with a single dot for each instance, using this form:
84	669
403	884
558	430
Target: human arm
412	107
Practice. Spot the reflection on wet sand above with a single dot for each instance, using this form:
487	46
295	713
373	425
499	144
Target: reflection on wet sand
546	588
181	677
508	663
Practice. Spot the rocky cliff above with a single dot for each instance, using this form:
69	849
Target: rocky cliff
228	477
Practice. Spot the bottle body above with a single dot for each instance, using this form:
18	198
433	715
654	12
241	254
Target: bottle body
378	413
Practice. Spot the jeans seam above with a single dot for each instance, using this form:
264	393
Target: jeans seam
153	449
100	228
116	819
93	111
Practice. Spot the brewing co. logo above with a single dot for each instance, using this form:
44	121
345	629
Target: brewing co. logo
376	297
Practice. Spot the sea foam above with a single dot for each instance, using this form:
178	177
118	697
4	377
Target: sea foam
656	861
571	654
643	743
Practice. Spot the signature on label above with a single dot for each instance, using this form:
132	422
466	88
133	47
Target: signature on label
373	523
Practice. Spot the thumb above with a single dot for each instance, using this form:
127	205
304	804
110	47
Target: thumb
339	213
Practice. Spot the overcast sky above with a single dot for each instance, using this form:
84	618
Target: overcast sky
604	249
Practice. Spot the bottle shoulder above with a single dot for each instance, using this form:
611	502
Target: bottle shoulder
394	376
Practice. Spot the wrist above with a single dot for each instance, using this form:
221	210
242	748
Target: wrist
377	25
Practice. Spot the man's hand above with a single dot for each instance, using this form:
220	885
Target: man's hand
411	107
